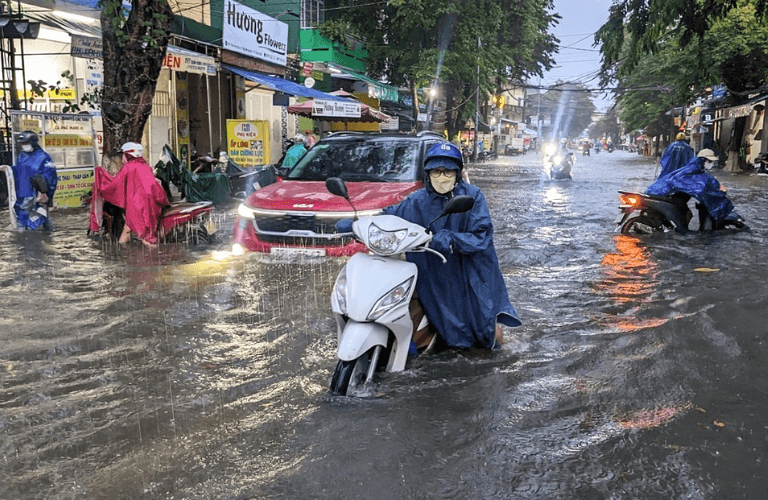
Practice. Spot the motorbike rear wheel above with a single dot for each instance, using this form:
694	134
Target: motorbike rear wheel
640	224
350	375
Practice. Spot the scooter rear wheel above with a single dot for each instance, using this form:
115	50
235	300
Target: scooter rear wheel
638	225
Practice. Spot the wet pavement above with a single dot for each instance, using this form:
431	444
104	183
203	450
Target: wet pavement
187	373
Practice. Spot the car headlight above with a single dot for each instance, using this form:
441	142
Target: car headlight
340	290
557	159
244	211
391	299
385	242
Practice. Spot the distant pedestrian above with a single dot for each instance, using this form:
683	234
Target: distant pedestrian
309	139
295	152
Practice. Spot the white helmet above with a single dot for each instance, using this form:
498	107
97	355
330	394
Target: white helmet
298	138
132	149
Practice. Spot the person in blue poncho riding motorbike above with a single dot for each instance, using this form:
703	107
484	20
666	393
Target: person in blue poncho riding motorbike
35	179
692	180
466	298
677	155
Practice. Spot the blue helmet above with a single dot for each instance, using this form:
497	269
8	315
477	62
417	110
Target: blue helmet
444	155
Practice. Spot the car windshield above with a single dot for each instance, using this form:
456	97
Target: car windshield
360	159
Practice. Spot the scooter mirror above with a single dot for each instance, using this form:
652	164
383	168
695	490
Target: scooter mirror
337	186
458	204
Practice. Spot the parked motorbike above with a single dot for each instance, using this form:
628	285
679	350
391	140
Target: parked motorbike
761	162
487	155
648	214
372	294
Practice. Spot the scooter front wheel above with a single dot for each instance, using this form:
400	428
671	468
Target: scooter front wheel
350	376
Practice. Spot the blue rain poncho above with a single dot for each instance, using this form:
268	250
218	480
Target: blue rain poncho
465	298
293	155
694	181
27	168
676	156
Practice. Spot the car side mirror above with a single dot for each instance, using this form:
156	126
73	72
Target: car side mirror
337	186
458	204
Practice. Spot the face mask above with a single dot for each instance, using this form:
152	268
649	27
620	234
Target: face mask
27	148
443	184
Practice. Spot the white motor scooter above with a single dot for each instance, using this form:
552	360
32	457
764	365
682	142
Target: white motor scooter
371	297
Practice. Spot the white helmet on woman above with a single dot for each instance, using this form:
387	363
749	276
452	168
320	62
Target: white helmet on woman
132	149
298	138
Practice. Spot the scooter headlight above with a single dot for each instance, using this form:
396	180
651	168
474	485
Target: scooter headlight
393	297
340	290
557	159
385	242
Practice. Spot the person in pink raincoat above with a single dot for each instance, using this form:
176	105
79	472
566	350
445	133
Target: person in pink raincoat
135	190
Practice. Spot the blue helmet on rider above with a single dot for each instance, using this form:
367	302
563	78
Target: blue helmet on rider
447	158
444	155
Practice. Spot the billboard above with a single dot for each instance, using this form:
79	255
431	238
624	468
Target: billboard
255	34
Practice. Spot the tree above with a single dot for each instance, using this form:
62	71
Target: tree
418	43
134	45
716	42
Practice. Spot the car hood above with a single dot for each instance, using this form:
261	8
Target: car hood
314	197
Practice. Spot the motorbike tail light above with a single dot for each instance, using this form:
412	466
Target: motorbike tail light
629	199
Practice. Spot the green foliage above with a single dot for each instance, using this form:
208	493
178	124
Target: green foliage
657	70
415	43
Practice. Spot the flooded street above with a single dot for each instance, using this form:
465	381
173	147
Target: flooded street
639	371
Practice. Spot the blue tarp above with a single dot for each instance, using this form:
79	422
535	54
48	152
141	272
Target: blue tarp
693	180
282	85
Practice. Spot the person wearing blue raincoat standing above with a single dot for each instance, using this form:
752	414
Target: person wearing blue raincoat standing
34	179
677	155
692	180
466	298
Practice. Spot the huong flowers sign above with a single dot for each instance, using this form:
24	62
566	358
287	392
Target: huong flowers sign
254	34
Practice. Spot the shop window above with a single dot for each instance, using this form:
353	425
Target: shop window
312	13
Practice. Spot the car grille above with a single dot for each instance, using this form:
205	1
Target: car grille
294	222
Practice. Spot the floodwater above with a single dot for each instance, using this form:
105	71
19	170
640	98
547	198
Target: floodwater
639	371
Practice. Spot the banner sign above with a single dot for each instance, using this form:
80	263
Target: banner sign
248	142
336	109
254	34
86	47
187	61
73	187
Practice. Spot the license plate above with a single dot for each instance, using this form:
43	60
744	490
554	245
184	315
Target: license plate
210	226
290	252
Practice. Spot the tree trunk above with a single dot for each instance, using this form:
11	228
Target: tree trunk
733	163
133	57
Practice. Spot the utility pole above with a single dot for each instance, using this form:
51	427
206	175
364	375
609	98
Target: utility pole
477	103
538	120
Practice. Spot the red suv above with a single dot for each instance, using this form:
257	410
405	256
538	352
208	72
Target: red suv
298	215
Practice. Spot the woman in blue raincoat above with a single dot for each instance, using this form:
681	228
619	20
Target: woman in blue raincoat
692	180
466	298
677	155
34	179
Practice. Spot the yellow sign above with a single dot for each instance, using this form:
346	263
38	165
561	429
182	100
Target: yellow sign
67	141
73	187
248	142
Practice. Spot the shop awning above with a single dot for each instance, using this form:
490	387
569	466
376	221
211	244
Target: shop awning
278	84
380	90
531	132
